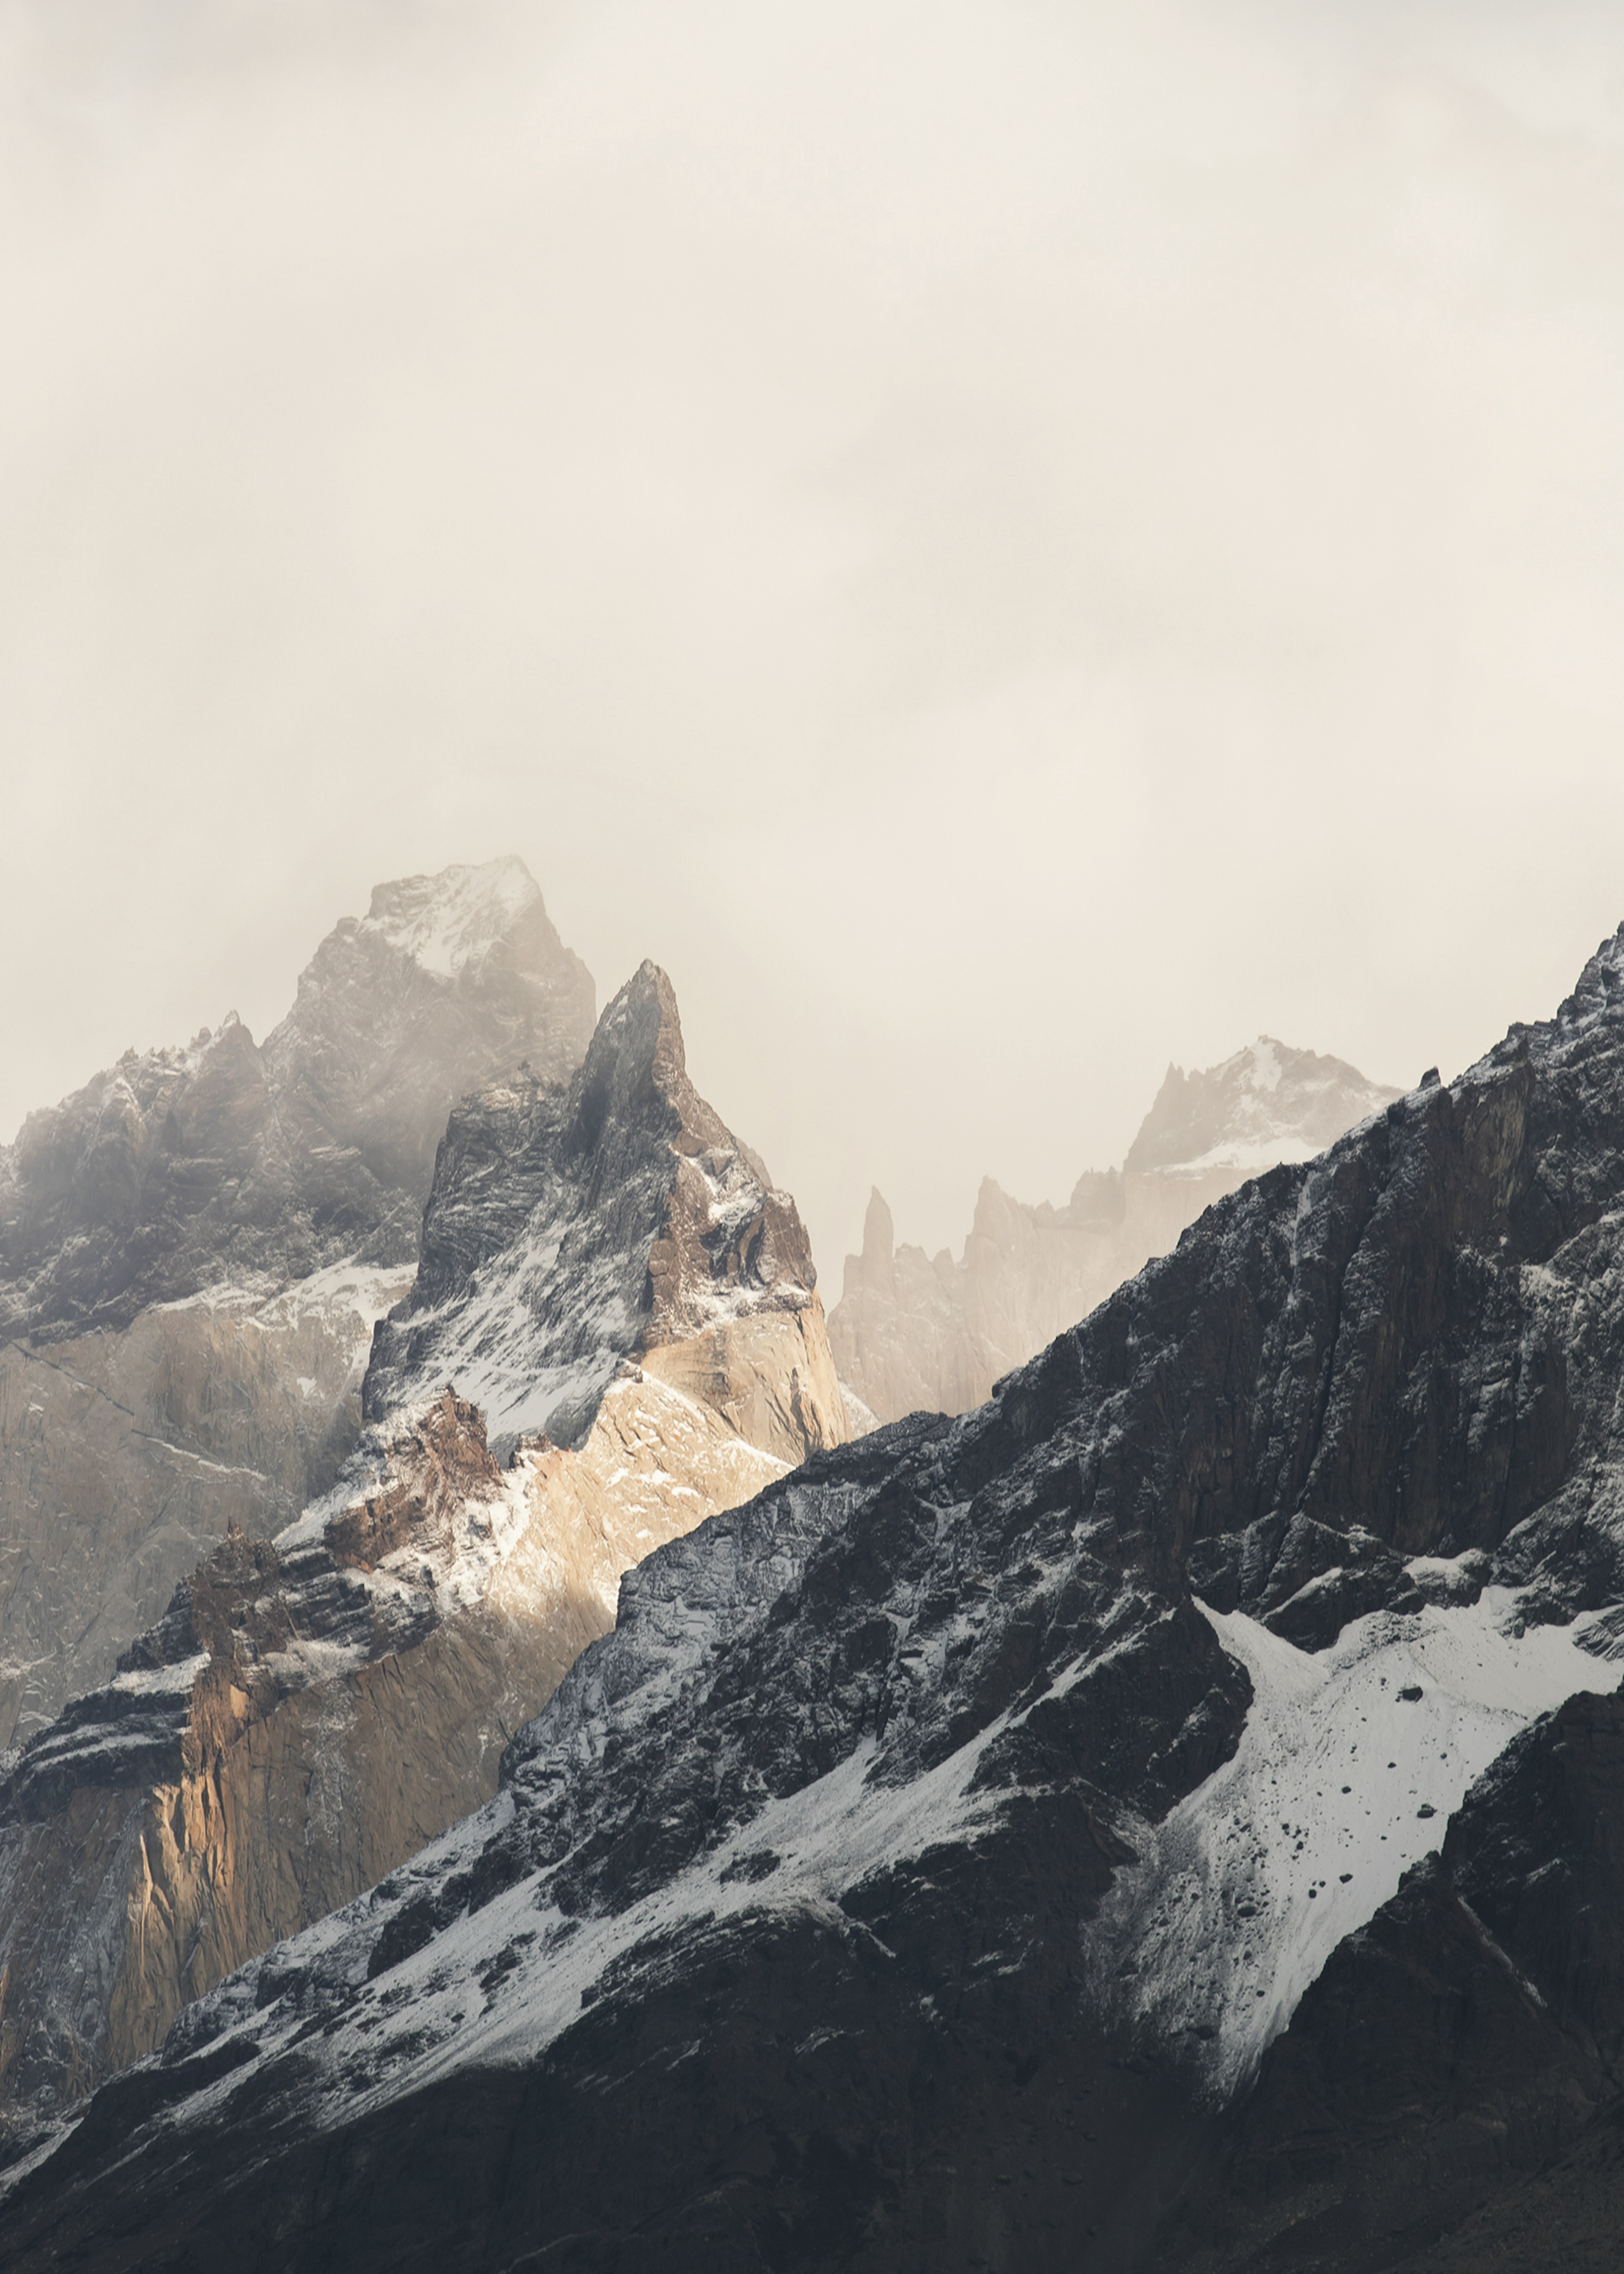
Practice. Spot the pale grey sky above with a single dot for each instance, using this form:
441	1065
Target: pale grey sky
1004	544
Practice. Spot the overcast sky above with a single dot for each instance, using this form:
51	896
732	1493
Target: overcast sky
1004	544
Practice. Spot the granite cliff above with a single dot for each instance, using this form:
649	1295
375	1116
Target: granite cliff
1165	1816
601	1258
194	1248
914	1333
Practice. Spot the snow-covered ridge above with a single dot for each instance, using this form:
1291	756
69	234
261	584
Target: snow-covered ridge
427	2017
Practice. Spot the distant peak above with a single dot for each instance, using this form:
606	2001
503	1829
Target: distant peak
879	1231
1270	1102
452	919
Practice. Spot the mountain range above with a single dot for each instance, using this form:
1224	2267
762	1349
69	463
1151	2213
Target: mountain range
1164	1816
310	1709
911	1331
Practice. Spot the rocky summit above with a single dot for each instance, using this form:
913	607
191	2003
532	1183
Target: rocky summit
572	1230
1165	1817
310	1710
912	1332
194	1248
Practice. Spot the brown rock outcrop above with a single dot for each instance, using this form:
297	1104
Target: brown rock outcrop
312	1711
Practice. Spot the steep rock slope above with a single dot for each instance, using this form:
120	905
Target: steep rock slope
781	1945
274	1696
910	1333
311	1710
194	1247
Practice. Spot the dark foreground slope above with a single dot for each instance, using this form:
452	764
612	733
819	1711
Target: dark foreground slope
782	1945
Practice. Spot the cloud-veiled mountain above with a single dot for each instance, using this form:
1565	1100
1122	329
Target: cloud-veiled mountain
194	1247
830	1914
223	1163
311	1710
911	1332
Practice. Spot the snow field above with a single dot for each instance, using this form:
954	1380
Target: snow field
1343	1778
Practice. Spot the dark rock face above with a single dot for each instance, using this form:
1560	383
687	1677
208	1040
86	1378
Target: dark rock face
775	1951
179	1168
569	1229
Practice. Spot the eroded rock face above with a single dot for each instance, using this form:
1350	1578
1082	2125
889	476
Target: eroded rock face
257	1755
194	1248
124	1456
776	1947
912	1332
311	1710
569	1229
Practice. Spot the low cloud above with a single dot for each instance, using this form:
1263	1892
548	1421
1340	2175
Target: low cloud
1003	545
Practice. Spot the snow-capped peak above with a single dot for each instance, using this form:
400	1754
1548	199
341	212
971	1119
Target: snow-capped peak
1267	1103
447	922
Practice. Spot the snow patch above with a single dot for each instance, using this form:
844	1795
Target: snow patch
448	921
367	1289
160	1680
1349	1768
